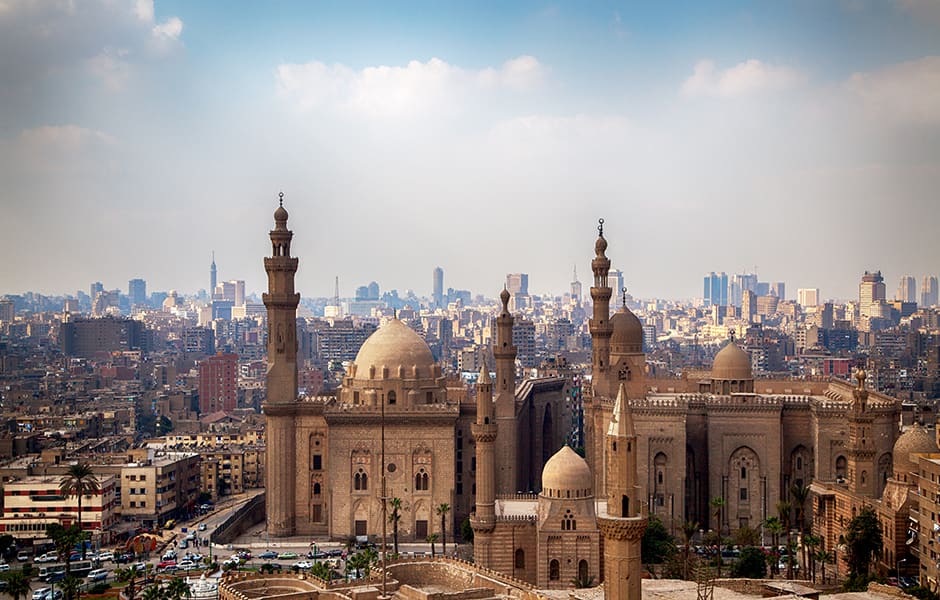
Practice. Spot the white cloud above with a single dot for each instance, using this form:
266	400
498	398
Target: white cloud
144	10
170	29
384	91
111	68
62	137
907	92
749	77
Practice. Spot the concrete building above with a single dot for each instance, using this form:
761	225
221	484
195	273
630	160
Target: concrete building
907	290
137	292
807	297
871	293
85	338
929	291
157	486
31	504
218	379
437	288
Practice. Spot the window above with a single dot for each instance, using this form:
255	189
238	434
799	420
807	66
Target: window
360	528
743	472
392	397
568	522
422	481
317	513
743	493
360	481
316	489
554	570
519	562
317	462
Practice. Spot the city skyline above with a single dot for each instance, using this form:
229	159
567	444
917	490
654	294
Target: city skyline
136	139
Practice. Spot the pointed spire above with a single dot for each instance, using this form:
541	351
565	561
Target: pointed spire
504	298
621	420
484	373
575	273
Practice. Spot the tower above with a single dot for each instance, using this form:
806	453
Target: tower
281	403
575	287
600	323
484	432
861	459
438	287
505	354
213	277
623	524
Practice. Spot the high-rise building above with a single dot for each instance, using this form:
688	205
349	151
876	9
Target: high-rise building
907	290
7	311
137	291
218	383
437	292
738	285
871	293
748	306
86	337
716	289
807	297
779	289
212	276
928	291
95	289
615	280
517	283
575	287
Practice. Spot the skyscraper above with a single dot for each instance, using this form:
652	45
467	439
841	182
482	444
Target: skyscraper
871	292
212	276
779	289
95	289
576	287
807	297
437	293
907	290
928	294
716	289
517	283
137	291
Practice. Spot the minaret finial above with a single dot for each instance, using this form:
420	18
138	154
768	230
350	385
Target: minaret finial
600	227
731	335
624	290
280	198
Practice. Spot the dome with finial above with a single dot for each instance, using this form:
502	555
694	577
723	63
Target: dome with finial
395	345
567	472
732	363
280	215
600	246
916	440
627	336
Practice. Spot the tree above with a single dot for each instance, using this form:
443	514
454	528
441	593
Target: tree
688	532
70	587
322	570
163	425
718	505
65	540
752	563
178	589
810	543
466	530
784	509
800	493
431	539
394	517
442	510
79	481
153	592
745	536
128	574
863	542
7	546
823	556
775	527
657	546
583	582
17	585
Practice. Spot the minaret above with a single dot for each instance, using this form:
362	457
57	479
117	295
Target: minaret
212	277
623	523
505	354
861	459
484	432
280	405
600	323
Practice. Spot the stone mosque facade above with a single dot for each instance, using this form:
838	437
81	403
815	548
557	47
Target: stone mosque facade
664	447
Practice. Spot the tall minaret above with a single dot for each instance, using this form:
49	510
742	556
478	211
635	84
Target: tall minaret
505	354
623	523
280	405
484	433
600	324
212	277
861	459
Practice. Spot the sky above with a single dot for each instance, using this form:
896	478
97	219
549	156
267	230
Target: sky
800	139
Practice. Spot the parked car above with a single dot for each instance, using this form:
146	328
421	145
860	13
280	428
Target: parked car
169	555
106	555
4	567
47	557
184	544
202	527
243	554
22	556
187	565
124	557
97	575
287	555
268	555
47	594
166	563
303	564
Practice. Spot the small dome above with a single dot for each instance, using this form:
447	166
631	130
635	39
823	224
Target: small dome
732	363
600	246
280	215
627	333
395	345
566	471
916	440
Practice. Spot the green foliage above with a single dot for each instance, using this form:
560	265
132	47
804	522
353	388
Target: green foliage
17	584
922	593
658	546
154	592
752	564
746	536
857	583
69	587
583	582
99	588
178	589
442	510
863	542
466	531
163	425
322	570
394	518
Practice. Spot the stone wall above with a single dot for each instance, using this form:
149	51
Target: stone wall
251	513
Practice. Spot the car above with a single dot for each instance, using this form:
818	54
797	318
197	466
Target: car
335	552
170	570
303	564
166	563
4	567
187	565
4	585
243	554
191	537
268	555
196	558
97	575
47	557
106	555
22	556
169	555
124	557
139	567
287	555
41	593
202	527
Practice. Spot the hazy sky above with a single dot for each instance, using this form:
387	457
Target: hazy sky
799	137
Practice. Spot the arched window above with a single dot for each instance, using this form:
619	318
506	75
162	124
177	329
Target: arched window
316	489
554	572
624	506
392	397
519	562
582	570
422	481
568	522
360	481
841	467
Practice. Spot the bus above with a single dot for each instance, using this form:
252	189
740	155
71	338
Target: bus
56	571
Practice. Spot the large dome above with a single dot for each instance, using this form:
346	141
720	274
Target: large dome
732	363
916	440
627	336
567	472
395	345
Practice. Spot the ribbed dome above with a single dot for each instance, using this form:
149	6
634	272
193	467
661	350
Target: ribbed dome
628	332
395	345
732	363
916	440
566	471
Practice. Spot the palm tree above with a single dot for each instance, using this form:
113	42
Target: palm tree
322	570
442	510
688	532
154	592
718	505
70	587
823	556
128	574
431	539
784	509
65	539
775	527
178	589
17	585
394	518
810	543
79	480
800	493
